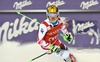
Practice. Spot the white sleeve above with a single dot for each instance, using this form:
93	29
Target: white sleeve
65	25
41	34
42	31
64	29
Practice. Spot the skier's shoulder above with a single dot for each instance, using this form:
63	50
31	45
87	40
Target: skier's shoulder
45	23
60	19
63	20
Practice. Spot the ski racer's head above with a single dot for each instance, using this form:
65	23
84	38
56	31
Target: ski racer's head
52	13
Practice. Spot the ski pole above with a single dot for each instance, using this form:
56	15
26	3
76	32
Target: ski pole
26	16
38	56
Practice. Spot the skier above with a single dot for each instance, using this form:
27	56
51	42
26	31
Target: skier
48	34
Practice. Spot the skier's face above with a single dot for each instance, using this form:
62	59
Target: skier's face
53	17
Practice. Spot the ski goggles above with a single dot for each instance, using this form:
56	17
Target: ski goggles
52	14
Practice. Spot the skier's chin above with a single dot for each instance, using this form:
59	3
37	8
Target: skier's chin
53	21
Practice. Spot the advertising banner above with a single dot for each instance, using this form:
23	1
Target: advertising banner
23	27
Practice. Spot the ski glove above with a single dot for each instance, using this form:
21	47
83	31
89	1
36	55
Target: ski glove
53	48
67	37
